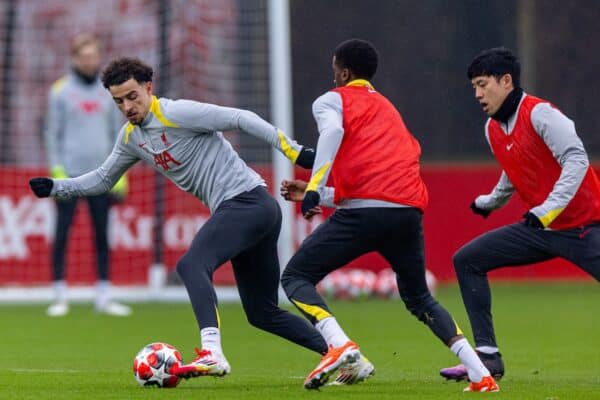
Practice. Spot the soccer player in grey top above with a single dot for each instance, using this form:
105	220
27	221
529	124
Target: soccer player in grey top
182	140
81	124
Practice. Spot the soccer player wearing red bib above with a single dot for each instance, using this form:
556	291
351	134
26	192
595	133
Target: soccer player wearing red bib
373	160
544	161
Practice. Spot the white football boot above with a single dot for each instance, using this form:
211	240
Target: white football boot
205	363
355	372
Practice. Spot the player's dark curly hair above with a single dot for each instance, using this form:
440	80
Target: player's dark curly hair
359	56
122	69
496	62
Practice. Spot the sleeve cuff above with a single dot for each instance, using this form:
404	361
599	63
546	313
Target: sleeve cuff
327	194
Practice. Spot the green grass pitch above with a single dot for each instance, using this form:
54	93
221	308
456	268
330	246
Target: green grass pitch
549	335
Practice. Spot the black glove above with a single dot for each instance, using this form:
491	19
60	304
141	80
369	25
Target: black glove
311	200
41	186
480	211
532	221
306	158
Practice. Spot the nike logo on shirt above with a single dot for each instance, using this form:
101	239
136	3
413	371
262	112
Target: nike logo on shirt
509	146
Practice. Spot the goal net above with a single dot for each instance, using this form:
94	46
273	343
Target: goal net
213	51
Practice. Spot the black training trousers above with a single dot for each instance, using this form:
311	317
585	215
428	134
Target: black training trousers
98	206
512	246
395	233
244	230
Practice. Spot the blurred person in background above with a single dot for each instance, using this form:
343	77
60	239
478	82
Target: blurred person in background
81	126
380	198
545	162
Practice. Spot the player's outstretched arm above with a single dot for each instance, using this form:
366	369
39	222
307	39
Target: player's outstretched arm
95	182
480	211
204	117
483	205
41	187
251	123
327	111
295	190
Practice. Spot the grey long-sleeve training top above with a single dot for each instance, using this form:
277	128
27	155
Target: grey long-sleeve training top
182	140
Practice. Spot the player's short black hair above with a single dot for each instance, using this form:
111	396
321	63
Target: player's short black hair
122	69
359	56
496	62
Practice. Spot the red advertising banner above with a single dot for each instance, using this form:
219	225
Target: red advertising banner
27	228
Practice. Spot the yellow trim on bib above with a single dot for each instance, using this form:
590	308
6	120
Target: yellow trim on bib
360	82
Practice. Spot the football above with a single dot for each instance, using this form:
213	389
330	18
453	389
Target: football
153	365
